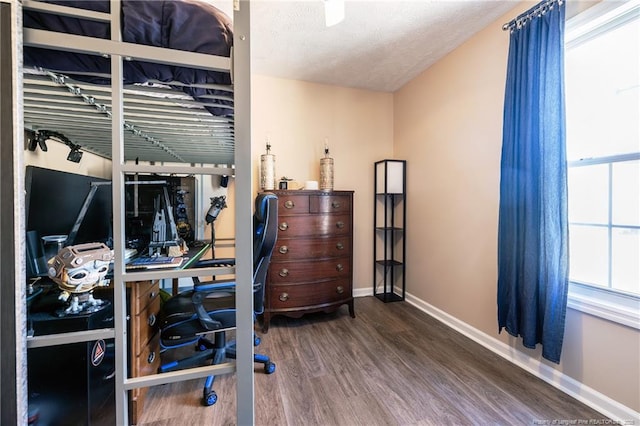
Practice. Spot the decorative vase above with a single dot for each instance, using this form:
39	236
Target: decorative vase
326	171
268	170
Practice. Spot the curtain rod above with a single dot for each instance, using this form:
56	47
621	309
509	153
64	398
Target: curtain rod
537	10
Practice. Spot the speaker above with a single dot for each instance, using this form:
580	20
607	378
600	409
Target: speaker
36	262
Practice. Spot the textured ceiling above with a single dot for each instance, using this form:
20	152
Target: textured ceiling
380	45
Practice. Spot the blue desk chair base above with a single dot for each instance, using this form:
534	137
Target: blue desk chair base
218	351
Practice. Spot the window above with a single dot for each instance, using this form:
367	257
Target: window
602	81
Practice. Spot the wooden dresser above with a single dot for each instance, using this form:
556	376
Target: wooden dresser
312	262
144	344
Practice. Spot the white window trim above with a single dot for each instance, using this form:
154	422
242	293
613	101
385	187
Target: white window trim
601	17
620	308
603	303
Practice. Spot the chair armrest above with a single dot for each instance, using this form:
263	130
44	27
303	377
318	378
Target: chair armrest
205	320
210	263
221	286
215	286
200	293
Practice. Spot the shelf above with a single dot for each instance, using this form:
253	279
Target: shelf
389	297
389	219
388	263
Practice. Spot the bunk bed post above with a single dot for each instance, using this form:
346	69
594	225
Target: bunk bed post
244	206
13	374
117	188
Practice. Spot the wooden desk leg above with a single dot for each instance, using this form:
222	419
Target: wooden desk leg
174	288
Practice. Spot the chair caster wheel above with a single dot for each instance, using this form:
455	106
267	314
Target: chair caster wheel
210	398
256	341
201	345
269	367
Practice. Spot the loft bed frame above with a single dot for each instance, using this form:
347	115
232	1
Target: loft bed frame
158	124
162	121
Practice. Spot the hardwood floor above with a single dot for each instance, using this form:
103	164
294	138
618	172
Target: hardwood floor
391	365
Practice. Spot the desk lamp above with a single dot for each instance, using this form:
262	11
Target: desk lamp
217	204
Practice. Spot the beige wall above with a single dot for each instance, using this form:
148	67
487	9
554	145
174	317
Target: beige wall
297	117
448	123
56	158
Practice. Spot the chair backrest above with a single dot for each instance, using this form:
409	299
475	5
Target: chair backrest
265	234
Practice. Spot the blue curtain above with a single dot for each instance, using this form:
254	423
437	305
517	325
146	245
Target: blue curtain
532	231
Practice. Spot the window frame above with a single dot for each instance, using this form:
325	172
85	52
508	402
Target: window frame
606	303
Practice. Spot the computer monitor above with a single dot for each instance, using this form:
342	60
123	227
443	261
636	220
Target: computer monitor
53	202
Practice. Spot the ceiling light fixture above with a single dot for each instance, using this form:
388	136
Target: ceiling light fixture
333	12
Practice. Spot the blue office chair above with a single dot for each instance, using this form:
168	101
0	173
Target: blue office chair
209	308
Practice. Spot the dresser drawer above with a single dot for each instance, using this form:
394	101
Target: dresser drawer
142	293
298	226
148	360
146	324
300	272
329	204
309	295
311	248
293	204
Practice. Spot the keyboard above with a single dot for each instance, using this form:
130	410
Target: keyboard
155	262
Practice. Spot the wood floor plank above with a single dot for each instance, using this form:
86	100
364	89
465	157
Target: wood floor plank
391	365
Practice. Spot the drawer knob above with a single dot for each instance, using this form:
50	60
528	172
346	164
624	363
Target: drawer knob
340	246
289	204
151	320
339	289
283	249
339	267
340	225
335	204
284	272
151	357
283	226
152	294
284	297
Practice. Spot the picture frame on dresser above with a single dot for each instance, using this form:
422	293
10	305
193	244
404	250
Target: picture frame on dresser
311	267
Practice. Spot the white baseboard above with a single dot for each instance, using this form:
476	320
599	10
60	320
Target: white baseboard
594	399
362	292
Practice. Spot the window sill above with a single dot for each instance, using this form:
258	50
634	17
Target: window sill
615	307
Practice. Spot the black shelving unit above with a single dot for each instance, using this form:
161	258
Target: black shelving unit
389	219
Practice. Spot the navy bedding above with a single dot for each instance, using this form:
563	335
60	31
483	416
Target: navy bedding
177	24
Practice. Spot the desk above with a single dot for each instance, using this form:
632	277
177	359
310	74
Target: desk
194	254
144	304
